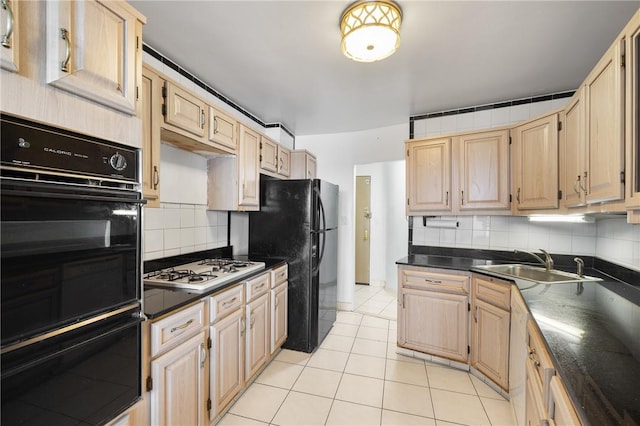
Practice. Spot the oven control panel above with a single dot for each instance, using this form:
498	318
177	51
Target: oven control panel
36	146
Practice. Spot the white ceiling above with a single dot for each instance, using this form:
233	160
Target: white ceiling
281	60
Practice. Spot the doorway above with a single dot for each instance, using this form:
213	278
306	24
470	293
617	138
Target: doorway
363	229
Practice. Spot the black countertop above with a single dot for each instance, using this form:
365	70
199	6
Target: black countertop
598	354
159	301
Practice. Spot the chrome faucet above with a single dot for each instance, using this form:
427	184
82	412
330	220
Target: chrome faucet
547	261
580	265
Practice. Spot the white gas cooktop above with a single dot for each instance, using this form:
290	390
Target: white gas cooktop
202	275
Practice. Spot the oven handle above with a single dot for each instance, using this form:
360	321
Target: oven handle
83	197
54	333
31	364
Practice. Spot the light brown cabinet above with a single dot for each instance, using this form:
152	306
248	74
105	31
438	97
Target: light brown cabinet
257	344
573	149
561	409
233	183
535	164
279	309
223	130
183	110
604	103
10	35
463	174
268	155
93	49
433	312
284	161
303	165
482	170
490	304
149	112
632	115
428	176
179	368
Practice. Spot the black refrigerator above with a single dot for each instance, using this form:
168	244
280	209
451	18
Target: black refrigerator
298	222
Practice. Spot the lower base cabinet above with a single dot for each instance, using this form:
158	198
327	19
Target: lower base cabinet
433	315
257	335
279	301
227	372
178	396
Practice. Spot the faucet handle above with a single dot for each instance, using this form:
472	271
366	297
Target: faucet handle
548	260
580	265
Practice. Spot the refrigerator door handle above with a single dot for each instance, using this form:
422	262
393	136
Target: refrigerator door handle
321	232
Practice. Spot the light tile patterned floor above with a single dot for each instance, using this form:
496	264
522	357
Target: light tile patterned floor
378	301
356	378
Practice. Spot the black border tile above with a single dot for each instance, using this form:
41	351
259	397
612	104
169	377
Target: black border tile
521	102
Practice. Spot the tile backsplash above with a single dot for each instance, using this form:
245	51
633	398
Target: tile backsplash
176	229
611	239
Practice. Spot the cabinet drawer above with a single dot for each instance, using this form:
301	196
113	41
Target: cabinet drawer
279	275
176	328
222	304
540	359
426	279
258	286
493	291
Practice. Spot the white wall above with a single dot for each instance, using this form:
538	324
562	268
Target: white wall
337	155
389	229
618	242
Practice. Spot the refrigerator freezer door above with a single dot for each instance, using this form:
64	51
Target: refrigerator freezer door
327	278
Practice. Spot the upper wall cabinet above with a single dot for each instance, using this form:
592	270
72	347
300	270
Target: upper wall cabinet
223	130
461	175
428	176
535	164
632	112
275	160
9	35
183	110
604	102
92	48
150	103
573	148
303	164
483	170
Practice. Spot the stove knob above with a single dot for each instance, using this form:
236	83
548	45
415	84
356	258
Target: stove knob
118	162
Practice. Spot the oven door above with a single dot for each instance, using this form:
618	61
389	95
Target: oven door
84	375
68	253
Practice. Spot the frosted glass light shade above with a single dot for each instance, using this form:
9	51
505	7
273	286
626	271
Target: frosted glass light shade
370	30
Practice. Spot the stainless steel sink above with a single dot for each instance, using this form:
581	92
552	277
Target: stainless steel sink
539	275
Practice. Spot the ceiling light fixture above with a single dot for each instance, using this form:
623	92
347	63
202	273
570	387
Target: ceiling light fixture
370	30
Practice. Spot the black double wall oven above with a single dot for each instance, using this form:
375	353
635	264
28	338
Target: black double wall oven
70	243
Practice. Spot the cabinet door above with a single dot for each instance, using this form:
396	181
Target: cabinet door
535	164
483	170
150	115
179	389
604	93
490	342
248	173
311	167
91	50
574	169
268	155
257	343
184	110
428	176
434	323
279	301
223	130
632	112
535	412
227	374
284	161
561	408
9	35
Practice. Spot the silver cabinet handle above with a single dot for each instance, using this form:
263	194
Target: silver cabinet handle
575	185
532	357
260	286
475	314
518	196
277	302
462	201
243	326
156	177
252	321
203	357
6	37
229	302
446	198
215	125
584	188
180	327
432	281
64	65
202	119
